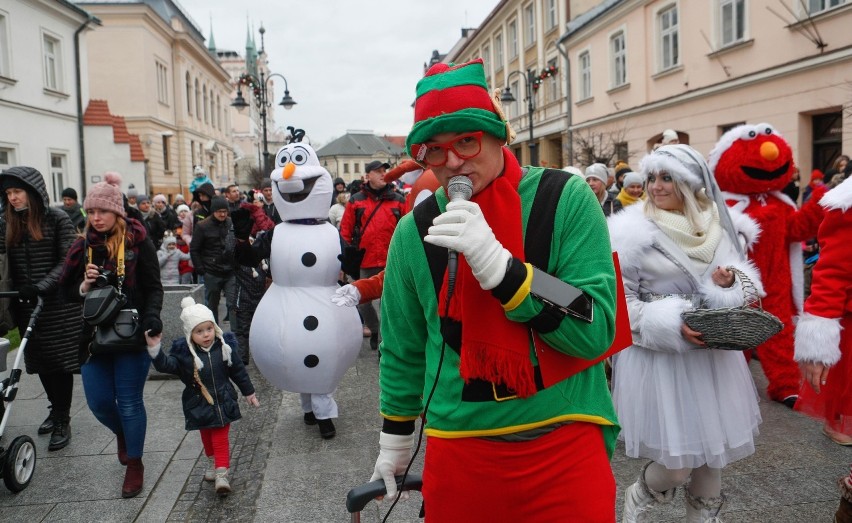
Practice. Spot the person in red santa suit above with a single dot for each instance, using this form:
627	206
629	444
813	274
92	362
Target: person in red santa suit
824	332
752	164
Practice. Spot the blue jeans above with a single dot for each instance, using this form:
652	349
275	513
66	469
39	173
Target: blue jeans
114	386
213	288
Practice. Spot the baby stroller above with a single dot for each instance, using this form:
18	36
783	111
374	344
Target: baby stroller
17	462
358	497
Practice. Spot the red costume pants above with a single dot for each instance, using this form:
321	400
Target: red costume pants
562	476
216	444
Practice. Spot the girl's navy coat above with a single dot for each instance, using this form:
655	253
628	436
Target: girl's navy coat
216	376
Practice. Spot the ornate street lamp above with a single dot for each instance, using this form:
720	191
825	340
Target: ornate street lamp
533	82
259	88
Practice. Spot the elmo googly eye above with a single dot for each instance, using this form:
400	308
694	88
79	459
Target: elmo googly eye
767	131
752	134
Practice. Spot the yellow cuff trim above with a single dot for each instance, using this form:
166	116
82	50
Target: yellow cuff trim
522	293
399	418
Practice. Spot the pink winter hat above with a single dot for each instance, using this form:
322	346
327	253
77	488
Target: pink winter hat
105	196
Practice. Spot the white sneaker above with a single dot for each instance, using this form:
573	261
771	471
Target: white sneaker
210	473
223	487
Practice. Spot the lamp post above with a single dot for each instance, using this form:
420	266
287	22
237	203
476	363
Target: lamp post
508	97
259	87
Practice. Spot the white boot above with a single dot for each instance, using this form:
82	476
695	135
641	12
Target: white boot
223	488
210	473
638	498
703	510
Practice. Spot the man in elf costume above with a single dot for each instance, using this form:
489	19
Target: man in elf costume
508	434
752	164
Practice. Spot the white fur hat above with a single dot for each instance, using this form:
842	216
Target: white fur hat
669	137
681	161
182	207
194	314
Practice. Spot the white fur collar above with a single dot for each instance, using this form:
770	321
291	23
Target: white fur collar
839	198
631	233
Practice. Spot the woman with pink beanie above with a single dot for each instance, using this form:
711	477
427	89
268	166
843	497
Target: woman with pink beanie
114	382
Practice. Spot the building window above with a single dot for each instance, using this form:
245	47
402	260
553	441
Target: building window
219	111
197	100
816	6
188	95
513	106
7	157
486	58
345	168
52	63
162	84
192	152
356	167
212	109
551	14
732	21
585	65
58	163
529	25
552	83
513	39
620	151
498	52
166	166
204	104
619	59
668	23
4	45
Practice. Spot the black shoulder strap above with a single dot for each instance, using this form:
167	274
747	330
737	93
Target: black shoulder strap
424	213
543	217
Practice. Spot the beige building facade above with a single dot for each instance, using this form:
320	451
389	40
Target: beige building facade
518	45
699	67
149	62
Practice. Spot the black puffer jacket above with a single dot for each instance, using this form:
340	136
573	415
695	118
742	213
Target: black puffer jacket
216	376
212	247
52	347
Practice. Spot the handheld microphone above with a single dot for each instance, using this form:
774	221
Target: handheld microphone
459	188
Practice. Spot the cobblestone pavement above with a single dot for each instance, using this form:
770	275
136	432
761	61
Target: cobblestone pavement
251	441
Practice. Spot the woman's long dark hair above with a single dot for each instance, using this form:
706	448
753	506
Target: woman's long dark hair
30	220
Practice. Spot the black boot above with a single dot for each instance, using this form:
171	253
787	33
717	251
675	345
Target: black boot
61	432
326	428
374	341
47	426
310	419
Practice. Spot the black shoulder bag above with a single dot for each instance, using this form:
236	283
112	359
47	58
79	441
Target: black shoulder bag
118	329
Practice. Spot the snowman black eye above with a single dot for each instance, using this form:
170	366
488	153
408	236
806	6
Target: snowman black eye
300	156
283	157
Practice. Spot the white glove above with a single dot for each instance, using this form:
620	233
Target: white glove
153	351
394	455
348	295
463	229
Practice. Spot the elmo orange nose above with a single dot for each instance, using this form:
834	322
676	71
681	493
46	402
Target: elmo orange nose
769	151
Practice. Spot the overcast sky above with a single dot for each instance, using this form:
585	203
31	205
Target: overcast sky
349	64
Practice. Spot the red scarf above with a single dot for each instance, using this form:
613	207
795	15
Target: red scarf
493	347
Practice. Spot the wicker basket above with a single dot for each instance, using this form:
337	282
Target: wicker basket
737	328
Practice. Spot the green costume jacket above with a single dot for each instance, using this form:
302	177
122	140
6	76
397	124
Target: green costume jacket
580	255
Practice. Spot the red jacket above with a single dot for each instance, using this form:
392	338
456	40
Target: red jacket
375	238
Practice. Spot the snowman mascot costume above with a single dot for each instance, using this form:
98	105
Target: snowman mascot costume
300	341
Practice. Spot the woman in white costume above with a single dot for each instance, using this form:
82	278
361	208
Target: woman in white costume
688	409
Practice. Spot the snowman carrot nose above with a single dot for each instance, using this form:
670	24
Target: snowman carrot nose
289	169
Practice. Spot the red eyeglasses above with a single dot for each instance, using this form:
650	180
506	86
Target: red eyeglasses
465	146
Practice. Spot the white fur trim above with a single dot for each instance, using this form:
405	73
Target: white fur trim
657	162
818	339
660	323
784	198
748	230
720	298
631	234
797	274
838	198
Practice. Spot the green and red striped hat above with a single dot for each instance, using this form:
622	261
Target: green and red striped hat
454	99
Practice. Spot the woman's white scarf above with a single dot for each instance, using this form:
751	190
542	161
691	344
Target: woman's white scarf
699	244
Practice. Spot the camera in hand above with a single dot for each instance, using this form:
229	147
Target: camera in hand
102	280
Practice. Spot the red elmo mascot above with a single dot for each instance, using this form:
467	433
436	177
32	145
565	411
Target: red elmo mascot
752	163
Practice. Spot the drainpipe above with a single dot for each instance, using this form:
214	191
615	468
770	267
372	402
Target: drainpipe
570	134
80	127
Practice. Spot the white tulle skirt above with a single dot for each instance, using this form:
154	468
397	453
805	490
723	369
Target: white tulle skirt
685	410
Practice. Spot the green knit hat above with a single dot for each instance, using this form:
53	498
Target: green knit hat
454	99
